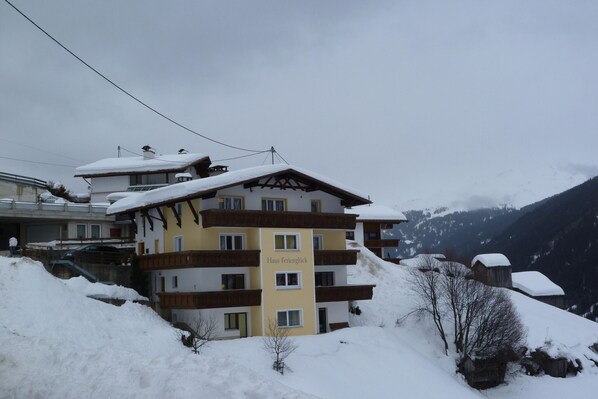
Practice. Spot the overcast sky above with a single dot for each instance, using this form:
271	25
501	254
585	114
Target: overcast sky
416	103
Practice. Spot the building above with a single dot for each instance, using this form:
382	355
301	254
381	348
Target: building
141	173
538	286
247	248
492	269
373	223
29	213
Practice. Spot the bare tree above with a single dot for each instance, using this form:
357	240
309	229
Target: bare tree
278	343
426	283
204	331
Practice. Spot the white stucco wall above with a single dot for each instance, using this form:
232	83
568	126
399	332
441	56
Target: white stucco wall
190	317
337	312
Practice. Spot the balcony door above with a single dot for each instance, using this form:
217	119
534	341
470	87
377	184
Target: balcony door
322	320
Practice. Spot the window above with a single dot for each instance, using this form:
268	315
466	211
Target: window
175	281
231	321
230	203
233	281
135	180
230	242
324	279
273	204
372	235
81	231
316	206
288	318
350	235
95	231
288	280
286	242
179	209
318	240
178	243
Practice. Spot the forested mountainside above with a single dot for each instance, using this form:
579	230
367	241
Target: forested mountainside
559	238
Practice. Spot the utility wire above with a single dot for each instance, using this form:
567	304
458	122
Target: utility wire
215	160
242	156
280	156
126	92
38	162
42	150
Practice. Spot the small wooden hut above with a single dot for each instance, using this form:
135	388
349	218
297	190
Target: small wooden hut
492	269
538	286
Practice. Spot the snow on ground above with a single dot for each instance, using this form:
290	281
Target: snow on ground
99	290
57	343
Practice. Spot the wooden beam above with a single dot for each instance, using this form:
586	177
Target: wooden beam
145	214
251	184
176	215
132	217
162	218
209	195
194	212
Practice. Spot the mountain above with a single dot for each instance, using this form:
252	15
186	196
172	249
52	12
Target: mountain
439	230
559	238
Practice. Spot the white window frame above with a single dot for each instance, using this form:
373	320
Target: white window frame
274	201
222	202
286	285
243	241
99	226
84	230
287	311
174	246
320	238
285	235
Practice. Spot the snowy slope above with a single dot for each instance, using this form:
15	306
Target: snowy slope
56	343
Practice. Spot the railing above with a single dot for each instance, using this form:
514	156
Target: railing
308	220
344	293
331	257
23	180
180	260
210	300
52	207
381	243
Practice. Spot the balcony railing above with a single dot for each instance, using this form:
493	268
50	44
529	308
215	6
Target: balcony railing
330	257
308	220
381	243
210	300
186	259
344	293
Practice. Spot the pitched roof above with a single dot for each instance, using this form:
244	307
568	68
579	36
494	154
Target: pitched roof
378	213
133	165
202	187
491	260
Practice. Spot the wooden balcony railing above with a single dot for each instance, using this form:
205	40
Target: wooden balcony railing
181	260
344	293
381	243
331	257
210	299
307	220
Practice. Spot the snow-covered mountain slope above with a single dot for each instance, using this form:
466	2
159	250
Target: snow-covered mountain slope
56	343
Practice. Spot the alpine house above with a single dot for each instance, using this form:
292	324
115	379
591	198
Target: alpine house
248	248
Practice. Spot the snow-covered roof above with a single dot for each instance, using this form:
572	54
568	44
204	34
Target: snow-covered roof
491	260
160	163
377	213
197	188
535	284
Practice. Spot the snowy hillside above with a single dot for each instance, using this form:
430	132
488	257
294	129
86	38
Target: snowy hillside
56	343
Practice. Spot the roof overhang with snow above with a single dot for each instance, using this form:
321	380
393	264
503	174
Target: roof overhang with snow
535	284
378	214
170	163
267	176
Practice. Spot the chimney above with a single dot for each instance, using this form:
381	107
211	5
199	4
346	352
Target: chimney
217	170
148	152
183	151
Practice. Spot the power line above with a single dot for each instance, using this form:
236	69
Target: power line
280	156
242	156
125	91
42	150
38	162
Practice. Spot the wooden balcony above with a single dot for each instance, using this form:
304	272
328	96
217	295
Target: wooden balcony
186	259
300	220
381	243
210	299
344	293
331	257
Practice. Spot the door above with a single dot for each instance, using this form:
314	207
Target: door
242	325
322	320
140	248
162	284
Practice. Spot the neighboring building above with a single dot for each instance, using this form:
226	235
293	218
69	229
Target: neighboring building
372	223
141	173
538	286
492	269
248	247
25	216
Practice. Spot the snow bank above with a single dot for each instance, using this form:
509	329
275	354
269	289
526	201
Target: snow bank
87	288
